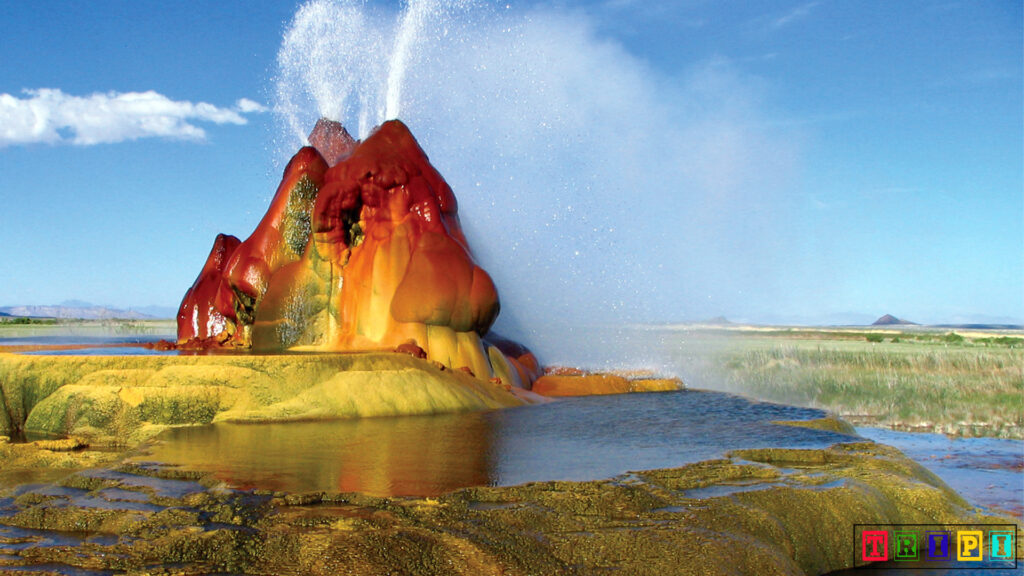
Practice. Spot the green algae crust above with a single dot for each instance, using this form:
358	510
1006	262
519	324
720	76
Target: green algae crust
126	399
830	423
753	512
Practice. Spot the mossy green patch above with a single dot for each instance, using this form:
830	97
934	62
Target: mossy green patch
36	462
296	227
356	394
6	426
829	424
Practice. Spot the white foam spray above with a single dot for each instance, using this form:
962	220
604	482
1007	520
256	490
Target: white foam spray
328	65
411	27
342	60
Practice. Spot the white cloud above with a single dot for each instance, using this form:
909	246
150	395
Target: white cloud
797	13
246	106
50	116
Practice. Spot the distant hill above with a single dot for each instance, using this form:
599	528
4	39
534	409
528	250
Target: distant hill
87	312
890	320
717	321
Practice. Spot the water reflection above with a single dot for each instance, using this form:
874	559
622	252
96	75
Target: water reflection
399	456
574	439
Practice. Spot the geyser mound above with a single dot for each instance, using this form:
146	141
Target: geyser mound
361	249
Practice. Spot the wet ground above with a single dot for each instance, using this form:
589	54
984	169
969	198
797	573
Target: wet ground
573	439
778	511
988	472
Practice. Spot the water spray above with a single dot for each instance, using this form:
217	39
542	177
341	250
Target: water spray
345	62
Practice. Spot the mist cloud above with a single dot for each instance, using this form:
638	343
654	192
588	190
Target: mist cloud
50	116
594	186
603	188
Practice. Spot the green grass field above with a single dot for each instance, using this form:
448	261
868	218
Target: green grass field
950	383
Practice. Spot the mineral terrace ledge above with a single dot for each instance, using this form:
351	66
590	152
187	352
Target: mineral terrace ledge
766	511
123	400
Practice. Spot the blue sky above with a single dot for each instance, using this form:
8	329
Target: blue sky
807	162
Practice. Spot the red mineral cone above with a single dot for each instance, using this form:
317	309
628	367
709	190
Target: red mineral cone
362	249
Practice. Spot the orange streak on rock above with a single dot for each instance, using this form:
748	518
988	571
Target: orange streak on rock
223	300
552	384
591	384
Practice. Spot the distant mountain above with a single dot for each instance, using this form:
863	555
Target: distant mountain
87	312
890	320
717	321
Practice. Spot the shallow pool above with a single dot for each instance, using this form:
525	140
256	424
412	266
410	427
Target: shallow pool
574	439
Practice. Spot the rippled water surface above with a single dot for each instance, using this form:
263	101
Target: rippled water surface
988	472
573	439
